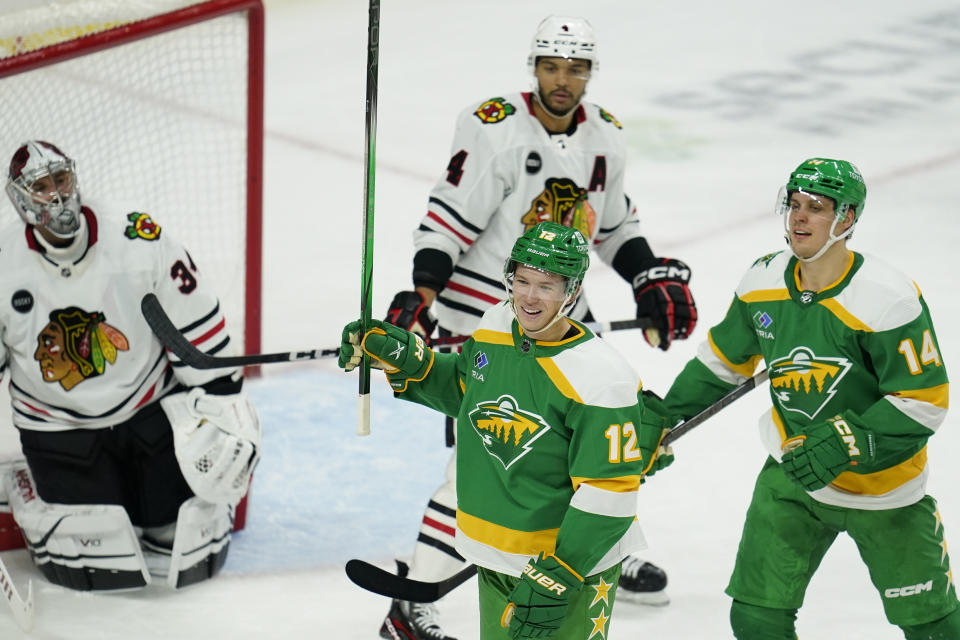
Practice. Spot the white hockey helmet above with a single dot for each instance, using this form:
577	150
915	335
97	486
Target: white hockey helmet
564	37
42	185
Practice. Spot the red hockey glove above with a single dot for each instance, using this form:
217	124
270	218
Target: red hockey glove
410	311
663	297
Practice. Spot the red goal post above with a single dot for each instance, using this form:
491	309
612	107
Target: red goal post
160	103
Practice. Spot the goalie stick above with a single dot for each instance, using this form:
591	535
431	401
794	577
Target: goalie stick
22	610
177	343
382	582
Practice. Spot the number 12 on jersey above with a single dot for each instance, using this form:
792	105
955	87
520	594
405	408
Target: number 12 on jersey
623	443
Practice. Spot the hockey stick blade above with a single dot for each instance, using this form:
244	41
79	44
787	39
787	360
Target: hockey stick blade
736	393
176	343
22	609
382	582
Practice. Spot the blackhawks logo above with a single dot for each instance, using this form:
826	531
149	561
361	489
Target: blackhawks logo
141	226
77	345
608	117
804	382
494	110
506	431
563	201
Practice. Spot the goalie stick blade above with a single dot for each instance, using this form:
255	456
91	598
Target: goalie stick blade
22	609
177	344
382	582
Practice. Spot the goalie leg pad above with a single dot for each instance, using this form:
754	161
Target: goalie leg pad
82	547
217	442
201	542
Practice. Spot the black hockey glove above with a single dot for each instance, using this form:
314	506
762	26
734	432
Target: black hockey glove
663	297
410	311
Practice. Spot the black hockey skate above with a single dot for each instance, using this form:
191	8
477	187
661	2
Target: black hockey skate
411	620
642	583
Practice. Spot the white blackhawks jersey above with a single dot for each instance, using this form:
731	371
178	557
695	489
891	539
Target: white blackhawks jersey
506	174
78	351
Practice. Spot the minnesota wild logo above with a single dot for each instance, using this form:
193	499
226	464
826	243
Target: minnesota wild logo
804	382
765	260
506	431
494	110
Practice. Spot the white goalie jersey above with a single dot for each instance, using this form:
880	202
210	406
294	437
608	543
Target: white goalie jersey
506	174
78	351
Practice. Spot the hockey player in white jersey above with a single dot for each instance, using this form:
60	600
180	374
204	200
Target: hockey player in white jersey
519	159
133	464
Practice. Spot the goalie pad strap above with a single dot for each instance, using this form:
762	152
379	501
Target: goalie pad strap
83	547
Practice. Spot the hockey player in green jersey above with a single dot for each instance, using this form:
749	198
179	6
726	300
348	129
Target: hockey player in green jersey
858	386
552	443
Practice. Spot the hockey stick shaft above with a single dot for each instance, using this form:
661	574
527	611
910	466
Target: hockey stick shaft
370	154
736	393
382	582
177	343
22	609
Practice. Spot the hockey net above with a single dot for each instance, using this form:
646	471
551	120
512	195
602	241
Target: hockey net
160	103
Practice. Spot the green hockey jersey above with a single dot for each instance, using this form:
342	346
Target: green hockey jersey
864	349
547	455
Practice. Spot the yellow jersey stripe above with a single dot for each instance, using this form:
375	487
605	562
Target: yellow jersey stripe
746	369
880	482
938	396
766	295
559	380
622	484
529	543
493	337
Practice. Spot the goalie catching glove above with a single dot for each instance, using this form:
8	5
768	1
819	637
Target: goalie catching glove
216	440
410	311
663	298
826	450
538	604
401	354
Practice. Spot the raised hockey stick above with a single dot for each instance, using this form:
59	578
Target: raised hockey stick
382	582
22	609
172	339
737	392
369	153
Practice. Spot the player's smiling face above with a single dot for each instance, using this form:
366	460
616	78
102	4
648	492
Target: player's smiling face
562	82
811	216
537	298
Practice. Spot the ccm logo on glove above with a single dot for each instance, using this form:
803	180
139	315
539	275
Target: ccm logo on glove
675	271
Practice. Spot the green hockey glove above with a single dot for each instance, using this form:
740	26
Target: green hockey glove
537	606
395	350
350	352
654	425
826	450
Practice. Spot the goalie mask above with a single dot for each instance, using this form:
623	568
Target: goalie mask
837	180
42	185
553	248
